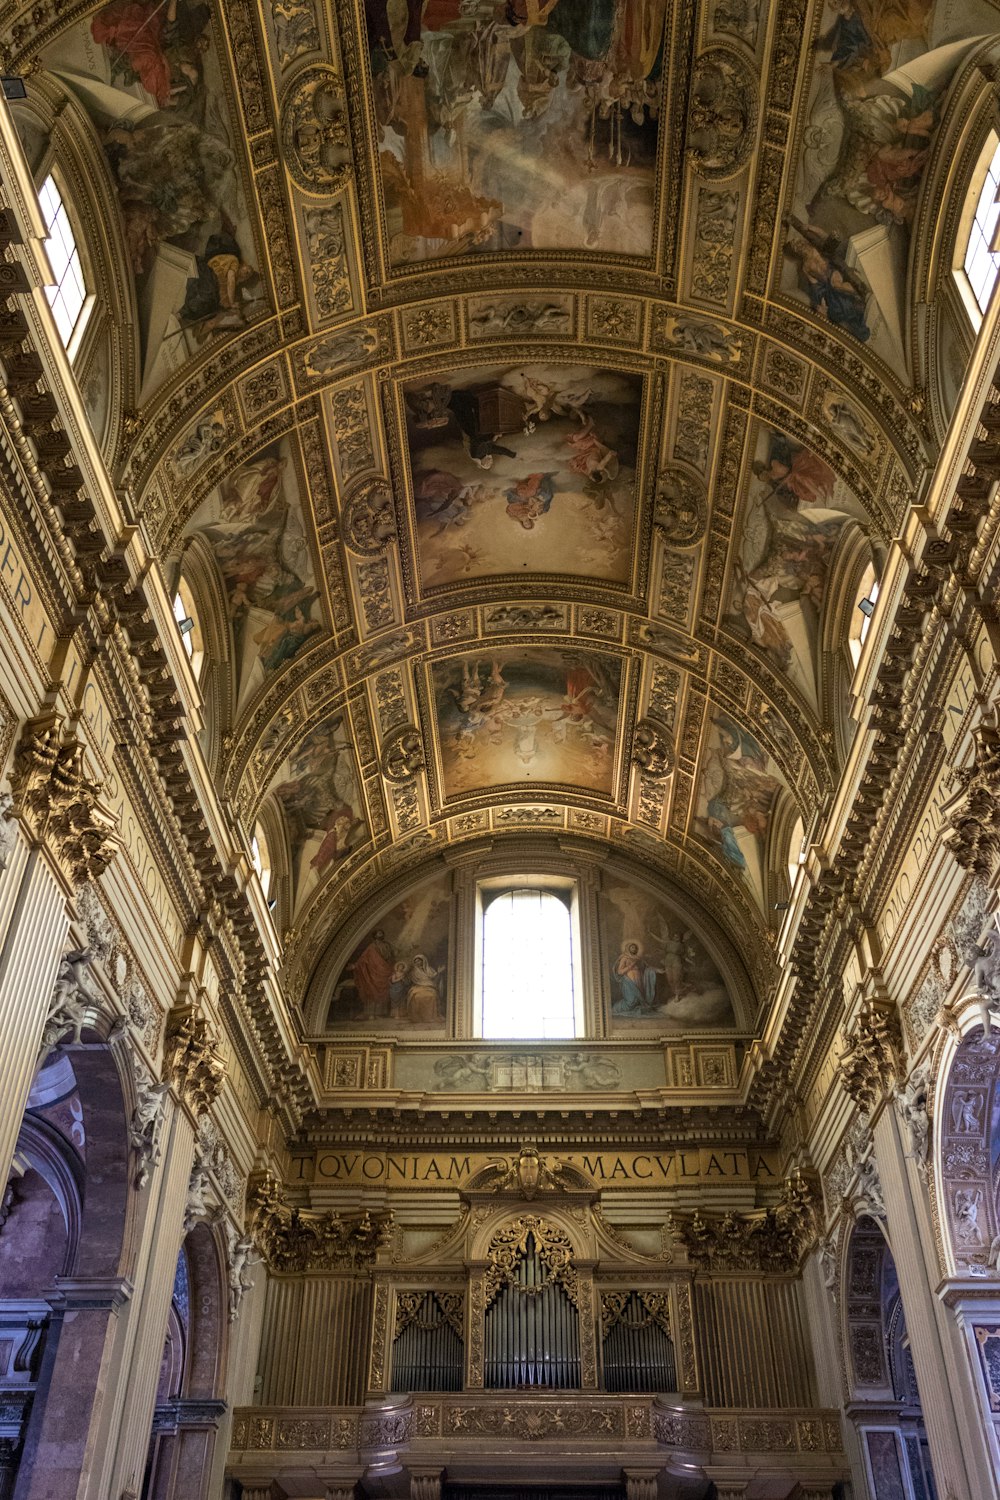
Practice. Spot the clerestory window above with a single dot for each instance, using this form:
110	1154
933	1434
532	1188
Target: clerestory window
529	987
68	297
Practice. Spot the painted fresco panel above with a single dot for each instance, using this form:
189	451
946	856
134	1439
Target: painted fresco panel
531	716
524	469
396	978
530	125
878	88
255	528
662	977
151	77
737	788
794	512
316	788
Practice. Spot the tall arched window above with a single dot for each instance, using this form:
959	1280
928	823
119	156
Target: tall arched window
68	297
186	615
981	259
529	988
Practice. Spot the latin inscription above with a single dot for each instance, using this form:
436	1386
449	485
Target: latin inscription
605	1168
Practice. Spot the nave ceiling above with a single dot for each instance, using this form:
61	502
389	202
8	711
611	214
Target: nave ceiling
522	391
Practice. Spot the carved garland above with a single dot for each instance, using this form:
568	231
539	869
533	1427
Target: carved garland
510	1245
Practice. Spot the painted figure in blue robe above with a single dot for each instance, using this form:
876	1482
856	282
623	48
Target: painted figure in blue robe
634	983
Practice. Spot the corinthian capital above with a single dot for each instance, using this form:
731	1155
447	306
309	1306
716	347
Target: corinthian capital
192	1060
871	1062
59	804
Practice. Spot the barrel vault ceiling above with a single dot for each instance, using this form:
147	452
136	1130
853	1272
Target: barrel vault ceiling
522	391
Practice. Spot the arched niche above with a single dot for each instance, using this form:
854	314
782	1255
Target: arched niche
884	1402
944	322
967	1155
189	1401
66	1237
199	571
58	136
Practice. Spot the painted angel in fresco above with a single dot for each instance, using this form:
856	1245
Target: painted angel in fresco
739	789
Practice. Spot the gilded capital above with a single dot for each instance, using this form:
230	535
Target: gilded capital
191	1060
871	1062
59	804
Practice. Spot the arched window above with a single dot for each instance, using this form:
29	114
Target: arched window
68	297
864	608
186	615
796	850
261	856
529	987
981	258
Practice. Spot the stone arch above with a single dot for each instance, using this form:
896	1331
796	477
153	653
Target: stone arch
966	1156
189	1402
881	1380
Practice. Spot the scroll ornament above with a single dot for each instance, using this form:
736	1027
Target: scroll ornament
449	1308
192	1061
772	1239
293	1239
61	804
636	1310
510	1245
871	1062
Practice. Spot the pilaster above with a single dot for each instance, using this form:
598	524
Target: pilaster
125	1442
36	925
958	1444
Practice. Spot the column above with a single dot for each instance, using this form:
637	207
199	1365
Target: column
37	923
125	1443
958	1444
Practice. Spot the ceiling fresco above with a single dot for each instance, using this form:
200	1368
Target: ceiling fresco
525	388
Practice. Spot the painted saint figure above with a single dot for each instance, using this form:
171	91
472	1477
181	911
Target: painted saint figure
634	982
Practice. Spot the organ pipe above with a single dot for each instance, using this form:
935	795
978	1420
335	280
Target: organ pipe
638	1349
532	1330
427	1351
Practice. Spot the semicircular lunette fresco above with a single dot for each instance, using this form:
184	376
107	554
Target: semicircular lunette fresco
396	977
253	522
794	512
738	786
881	72
151	76
661	975
524	469
527	717
530	125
